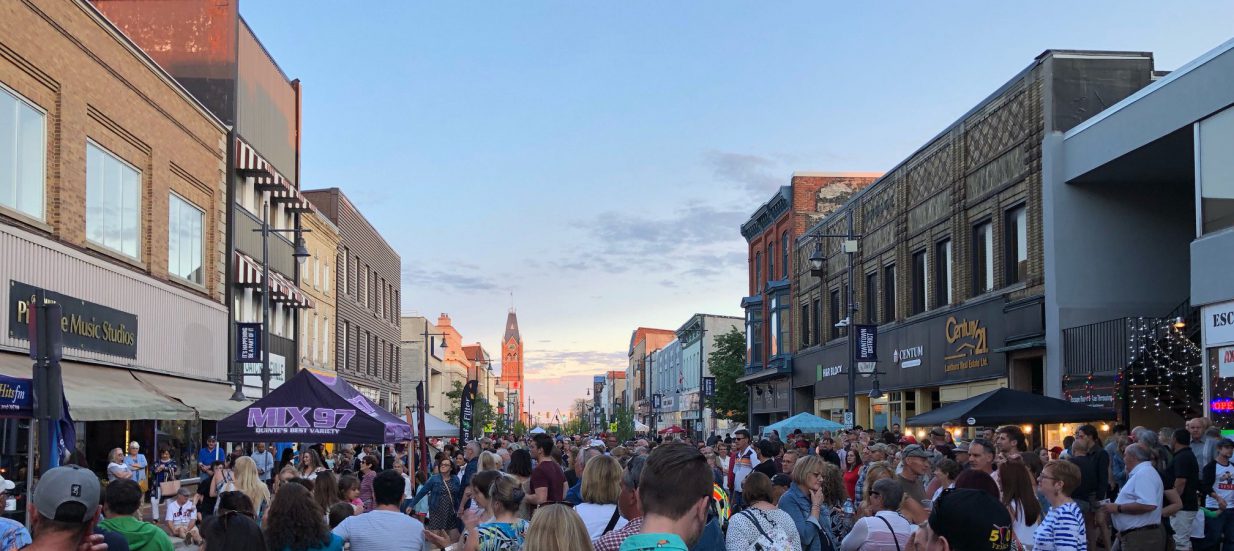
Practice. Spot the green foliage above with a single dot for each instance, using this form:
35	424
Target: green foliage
453	398
624	418
483	414
520	429
727	363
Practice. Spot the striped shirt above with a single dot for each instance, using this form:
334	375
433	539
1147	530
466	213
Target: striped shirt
1062	530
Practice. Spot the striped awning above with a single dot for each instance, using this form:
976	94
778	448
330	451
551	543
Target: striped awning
248	274
250	164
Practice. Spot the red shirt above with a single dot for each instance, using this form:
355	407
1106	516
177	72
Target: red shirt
548	474
850	480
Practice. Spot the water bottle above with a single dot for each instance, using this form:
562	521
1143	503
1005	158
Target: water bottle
848	506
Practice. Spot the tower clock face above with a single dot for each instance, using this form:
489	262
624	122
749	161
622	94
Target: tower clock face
511	346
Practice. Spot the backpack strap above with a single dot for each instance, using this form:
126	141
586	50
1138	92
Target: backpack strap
612	522
757	525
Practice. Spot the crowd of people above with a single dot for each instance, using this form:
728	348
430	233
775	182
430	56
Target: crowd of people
853	490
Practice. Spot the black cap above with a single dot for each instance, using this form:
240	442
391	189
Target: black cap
781	480
971	520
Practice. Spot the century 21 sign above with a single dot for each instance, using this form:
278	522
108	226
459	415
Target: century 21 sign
967	346
86	325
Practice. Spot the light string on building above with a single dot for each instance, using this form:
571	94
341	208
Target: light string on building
1165	370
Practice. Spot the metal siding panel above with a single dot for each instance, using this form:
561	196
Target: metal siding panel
177	333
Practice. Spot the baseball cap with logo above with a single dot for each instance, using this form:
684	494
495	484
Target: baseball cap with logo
971	520
67	494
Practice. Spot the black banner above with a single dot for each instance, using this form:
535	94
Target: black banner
86	325
867	342
467	410
248	342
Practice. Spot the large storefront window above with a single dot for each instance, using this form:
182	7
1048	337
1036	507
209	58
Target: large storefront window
1216	171
773	345
21	154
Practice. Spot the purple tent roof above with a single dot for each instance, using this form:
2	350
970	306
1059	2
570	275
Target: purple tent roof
314	407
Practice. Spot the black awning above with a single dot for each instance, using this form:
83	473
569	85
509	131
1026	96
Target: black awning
1005	406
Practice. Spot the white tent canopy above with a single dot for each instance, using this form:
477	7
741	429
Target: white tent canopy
434	426
536	430
640	427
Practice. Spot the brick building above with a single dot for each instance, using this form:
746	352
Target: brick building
113	201
950	262
512	367
644	342
213	53
770	232
366	301
317	281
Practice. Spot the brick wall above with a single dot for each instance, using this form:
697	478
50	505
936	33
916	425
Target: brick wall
95	86
369	309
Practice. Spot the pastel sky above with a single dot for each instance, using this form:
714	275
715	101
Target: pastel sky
596	159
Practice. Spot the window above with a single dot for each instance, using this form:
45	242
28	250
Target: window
342	353
1215	172
758	273
942	277
784	254
871	306
833	313
754	336
346	284
1016	242
325	340
889	293
316	272
113	198
805	325
983	258
22	152
184	239
921	282
818	322
771	261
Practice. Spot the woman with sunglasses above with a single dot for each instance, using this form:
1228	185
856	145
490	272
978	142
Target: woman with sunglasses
444	497
886	529
805	503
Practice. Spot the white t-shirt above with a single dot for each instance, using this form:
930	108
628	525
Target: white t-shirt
1223	485
181	515
596	517
382	531
1023	530
743	465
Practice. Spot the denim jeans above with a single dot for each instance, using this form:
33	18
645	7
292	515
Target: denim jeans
1219	531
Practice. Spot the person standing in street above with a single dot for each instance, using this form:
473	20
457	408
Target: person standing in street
548	480
674	492
385	528
1217	483
1187	483
1136	512
265	463
743	463
1063	528
804	502
1204	450
207	456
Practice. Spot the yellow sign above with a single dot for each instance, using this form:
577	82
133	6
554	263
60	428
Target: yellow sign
966	345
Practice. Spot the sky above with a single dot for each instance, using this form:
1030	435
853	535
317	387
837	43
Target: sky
594	160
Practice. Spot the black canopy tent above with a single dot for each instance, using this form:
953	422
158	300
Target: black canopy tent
1006	406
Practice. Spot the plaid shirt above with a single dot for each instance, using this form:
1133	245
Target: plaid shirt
612	540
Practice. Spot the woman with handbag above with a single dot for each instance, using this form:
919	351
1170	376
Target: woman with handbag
166	480
136	461
444	497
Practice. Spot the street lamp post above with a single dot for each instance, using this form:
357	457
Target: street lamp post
817	267
300	253
423	406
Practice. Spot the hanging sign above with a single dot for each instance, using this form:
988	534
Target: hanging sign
1218	322
867	342
467	410
248	342
86	325
709	386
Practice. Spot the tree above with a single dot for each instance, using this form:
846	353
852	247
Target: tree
624	418
482	413
453	398
520	429
727	361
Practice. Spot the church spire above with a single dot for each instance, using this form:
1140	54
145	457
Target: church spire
512	328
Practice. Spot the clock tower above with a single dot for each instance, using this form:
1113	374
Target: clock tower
512	355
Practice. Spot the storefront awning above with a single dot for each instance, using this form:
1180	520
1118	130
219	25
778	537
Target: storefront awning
212	401
97	393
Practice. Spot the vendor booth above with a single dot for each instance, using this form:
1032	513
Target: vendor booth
1005	406
436	427
807	422
314	407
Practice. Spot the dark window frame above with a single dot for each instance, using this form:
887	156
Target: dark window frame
920	282
943	284
1011	239
871	305
889	293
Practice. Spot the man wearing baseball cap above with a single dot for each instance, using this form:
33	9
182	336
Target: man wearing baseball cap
63	511
12	534
912	481
967	520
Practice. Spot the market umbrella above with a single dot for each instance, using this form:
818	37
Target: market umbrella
672	430
807	422
1007	406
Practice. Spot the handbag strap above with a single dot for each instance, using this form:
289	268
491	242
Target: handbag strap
890	529
757	525
612	522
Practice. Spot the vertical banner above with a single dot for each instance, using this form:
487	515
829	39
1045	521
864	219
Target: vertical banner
709	387
248	342
867	342
467	410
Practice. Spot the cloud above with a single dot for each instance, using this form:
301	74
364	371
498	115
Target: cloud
552	364
754	173
453	277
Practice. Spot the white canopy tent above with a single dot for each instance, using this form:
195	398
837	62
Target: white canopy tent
434	426
536	430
